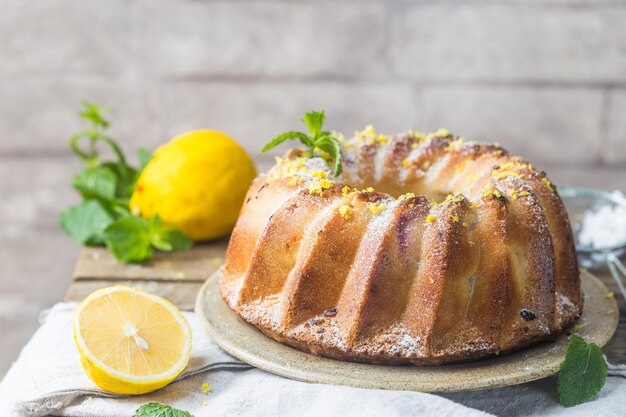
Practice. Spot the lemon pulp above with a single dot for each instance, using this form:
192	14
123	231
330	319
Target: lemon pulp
131	341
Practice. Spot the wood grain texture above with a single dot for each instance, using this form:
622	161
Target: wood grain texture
193	265
182	294
176	276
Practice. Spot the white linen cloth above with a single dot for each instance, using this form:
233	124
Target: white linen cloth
47	379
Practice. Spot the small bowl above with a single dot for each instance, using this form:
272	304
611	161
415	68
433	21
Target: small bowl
577	202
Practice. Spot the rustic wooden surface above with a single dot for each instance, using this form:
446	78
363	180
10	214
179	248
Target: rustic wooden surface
178	276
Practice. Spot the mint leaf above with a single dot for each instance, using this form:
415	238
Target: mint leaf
126	177
93	113
104	218
176	238
98	183
582	374
331	146
314	121
317	139
160	243
160	410
85	223
156	235
128	239
285	137
131	238
167	238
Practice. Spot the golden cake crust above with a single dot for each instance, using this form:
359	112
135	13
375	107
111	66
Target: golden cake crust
331	267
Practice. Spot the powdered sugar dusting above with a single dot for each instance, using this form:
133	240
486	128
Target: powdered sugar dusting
431	166
603	227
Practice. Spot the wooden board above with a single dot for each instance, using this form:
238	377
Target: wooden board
176	276
195	264
182	294
247	343
169	274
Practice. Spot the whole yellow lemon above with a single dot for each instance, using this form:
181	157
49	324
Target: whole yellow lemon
197	183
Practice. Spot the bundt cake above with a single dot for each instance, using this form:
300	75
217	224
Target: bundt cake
425	250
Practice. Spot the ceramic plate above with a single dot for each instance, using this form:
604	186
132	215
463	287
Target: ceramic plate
245	342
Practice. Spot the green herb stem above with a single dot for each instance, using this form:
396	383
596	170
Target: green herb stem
314	140
104	217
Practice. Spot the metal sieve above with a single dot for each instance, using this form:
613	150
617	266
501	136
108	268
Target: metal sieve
579	201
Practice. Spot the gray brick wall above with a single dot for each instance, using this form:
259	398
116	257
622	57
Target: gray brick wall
545	78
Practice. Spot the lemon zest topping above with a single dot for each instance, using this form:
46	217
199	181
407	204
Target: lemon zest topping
370	136
430	218
377	208
342	140
286	168
455	218
453	198
491	190
368	131
406	196
318	173
511	168
367	190
318	187
417	135
450	198
441	133
206	388
345	211
455	145
295	181
406	163
516	164
547	183
323	154
504	174
517	194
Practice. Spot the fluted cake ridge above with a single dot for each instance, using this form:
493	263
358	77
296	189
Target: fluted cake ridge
426	249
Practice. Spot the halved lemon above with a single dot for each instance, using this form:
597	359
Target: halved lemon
131	341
